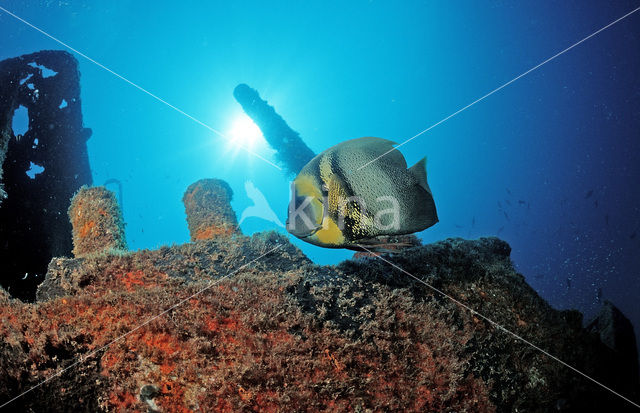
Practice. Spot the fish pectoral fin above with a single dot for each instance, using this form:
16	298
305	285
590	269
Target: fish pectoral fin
385	244
419	171
380	248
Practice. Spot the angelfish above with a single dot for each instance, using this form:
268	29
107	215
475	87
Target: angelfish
338	202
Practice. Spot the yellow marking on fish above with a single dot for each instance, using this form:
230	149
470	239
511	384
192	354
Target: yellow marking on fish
330	233
325	169
337	196
340	206
306	186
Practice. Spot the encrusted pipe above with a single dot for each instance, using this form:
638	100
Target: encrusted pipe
207	204
292	152
97	221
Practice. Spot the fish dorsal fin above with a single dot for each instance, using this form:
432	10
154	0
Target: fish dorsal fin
385	148
419	171
361	151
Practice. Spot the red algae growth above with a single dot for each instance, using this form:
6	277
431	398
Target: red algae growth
243	344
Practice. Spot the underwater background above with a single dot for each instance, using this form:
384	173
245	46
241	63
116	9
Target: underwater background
550	163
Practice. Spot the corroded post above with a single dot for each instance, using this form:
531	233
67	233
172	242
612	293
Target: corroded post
207	204
97	221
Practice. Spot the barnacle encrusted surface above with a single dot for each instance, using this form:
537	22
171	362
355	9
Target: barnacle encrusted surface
258	328
208	209
97	221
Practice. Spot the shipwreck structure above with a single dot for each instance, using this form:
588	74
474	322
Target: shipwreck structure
40	168
230	322
291	151
207	204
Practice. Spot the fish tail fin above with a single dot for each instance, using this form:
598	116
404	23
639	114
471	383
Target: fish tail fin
426	206
419	171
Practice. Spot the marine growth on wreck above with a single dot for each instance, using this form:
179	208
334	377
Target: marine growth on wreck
231	322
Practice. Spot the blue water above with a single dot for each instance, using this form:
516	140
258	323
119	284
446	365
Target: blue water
550	163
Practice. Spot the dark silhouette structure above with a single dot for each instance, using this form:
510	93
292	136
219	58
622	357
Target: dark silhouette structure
34	226
292	152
